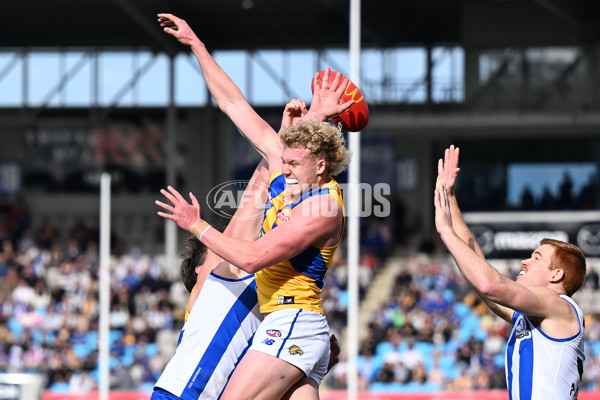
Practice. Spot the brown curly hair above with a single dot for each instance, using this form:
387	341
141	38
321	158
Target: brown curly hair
322	139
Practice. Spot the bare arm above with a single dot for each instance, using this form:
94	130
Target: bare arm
246	221
490	284
288	240
447	174
228	96
312	221
232	102
244	225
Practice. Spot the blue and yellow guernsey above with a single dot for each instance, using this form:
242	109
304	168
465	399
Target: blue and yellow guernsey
295	282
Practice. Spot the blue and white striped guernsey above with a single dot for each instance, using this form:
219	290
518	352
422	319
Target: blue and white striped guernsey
216	335
539	367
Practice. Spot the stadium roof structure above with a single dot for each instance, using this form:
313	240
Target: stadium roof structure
248	24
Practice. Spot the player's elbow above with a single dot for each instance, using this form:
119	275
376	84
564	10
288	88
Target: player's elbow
252	263
493	289
250	267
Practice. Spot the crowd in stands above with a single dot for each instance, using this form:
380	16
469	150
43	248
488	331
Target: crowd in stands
432	333
435	334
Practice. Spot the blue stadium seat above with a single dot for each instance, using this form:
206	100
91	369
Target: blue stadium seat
415	387
146	387
480	334
384	348
91	339
461	309
126	360
448	366
59	387
114	335
151	349
15	327
82	350
468	327
378	387
426	350
499	360
376	362
37	336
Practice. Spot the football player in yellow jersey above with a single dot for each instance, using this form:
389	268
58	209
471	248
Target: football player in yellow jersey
208	277
307	218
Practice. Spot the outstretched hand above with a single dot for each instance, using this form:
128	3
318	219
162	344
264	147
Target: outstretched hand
448	169
182	212
327	95
294	110
177	28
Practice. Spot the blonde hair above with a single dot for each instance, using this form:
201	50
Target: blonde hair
322	139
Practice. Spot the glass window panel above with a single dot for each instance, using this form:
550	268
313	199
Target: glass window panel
44	75
11	93
153	86
190	87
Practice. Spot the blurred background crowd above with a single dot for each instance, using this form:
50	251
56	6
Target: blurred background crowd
429	332
109	92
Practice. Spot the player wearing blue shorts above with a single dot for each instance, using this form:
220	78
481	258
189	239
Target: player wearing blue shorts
544	354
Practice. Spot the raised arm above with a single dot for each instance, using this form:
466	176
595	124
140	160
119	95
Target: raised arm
246	221
232	102
244	225
447	173
500	293
228	96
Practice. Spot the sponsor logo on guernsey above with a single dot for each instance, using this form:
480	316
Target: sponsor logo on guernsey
295	350
273	333
282	216
285	300
521	330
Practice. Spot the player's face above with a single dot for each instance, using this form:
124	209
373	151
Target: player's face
535	271
300	168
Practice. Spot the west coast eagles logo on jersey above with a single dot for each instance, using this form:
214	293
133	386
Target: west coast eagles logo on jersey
295	350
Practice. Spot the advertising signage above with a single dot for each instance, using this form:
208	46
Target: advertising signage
517	234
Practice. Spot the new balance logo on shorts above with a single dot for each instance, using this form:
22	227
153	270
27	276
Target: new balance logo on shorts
285	300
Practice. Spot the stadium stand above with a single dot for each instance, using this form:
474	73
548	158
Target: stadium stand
422	328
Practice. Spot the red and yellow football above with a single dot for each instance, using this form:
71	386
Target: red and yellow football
356	117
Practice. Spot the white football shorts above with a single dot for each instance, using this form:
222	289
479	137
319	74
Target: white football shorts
297	336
